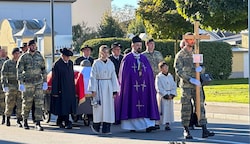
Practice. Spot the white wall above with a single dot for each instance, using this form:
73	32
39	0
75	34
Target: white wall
37	10
246	64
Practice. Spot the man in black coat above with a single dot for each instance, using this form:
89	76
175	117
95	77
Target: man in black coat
63	97
86	52
116	56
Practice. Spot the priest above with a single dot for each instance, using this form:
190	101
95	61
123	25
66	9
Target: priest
136	106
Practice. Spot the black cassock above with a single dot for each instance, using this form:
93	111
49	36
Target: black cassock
63	85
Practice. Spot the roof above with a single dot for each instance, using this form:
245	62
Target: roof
46	30
32	25
69	1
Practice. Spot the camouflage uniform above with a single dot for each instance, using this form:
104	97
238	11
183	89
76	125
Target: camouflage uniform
31	72
2	95
13	97
154	58
185	69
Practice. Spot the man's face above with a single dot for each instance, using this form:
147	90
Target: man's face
16	55
86	52
137	47
116	51
151	46
32	47
65	58
24	49
190	42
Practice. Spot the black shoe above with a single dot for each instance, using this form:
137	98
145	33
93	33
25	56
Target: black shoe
8	121
25	124
132	130
3	119
68	126
167	128
94	130
207	134
191	127
157	127
18	122
38	126
149	129
61	125
187	134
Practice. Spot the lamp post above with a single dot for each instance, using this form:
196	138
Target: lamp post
52	29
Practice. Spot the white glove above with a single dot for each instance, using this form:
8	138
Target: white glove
21	88
195	81
5	89
198	69
45	85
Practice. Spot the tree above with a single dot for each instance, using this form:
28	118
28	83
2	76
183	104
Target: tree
109	27
136	26
228	15
162	20
81	33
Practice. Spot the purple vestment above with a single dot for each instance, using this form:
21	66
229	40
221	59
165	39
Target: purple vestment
137	97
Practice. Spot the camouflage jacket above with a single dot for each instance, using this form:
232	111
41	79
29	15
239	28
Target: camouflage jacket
184	68
154	58
31	68
2	60
8	74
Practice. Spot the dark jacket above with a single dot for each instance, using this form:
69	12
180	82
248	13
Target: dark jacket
116	62
63	85
80	59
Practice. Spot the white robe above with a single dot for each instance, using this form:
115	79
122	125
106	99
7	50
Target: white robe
165	85
103	81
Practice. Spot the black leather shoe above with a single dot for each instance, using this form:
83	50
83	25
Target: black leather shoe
149	129
132	130
18	122
207	134
38	126
157	127
68	126
167	128
186	133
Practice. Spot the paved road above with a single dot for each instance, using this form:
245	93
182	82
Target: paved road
227	132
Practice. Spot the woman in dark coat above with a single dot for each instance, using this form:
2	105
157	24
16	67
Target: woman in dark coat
63	99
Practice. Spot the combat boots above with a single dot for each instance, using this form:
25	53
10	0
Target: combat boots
18	122
205	132
8	121
186	133
38	126
25	124
3	119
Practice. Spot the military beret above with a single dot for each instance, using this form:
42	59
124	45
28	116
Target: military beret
66	52
85	47
31	42
24	45
136	39
15	50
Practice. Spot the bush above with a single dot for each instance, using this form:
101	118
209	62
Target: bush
217	56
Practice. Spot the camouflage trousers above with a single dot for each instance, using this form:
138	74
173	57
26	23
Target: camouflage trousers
33	93
13	98
189	94
2	102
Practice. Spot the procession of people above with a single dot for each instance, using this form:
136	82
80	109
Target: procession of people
134	90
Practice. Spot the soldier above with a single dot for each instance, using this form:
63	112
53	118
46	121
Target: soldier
3	58
31	75
24	48
153	56
185	70
10	87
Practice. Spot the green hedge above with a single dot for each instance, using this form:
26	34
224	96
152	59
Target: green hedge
217	56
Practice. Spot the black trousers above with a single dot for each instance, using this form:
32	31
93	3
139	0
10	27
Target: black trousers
63	118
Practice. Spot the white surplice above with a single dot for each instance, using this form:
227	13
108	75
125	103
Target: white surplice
103	81
165	85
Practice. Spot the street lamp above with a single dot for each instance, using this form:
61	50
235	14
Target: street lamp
52	29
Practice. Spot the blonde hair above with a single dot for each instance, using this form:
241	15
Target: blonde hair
102	48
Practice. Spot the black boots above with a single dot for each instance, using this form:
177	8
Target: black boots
205	132
186	133
18	122
25	124
38	126
8	121
3	119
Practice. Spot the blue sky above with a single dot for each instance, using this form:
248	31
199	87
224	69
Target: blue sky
121	3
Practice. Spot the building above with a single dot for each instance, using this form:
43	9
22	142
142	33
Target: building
90	11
